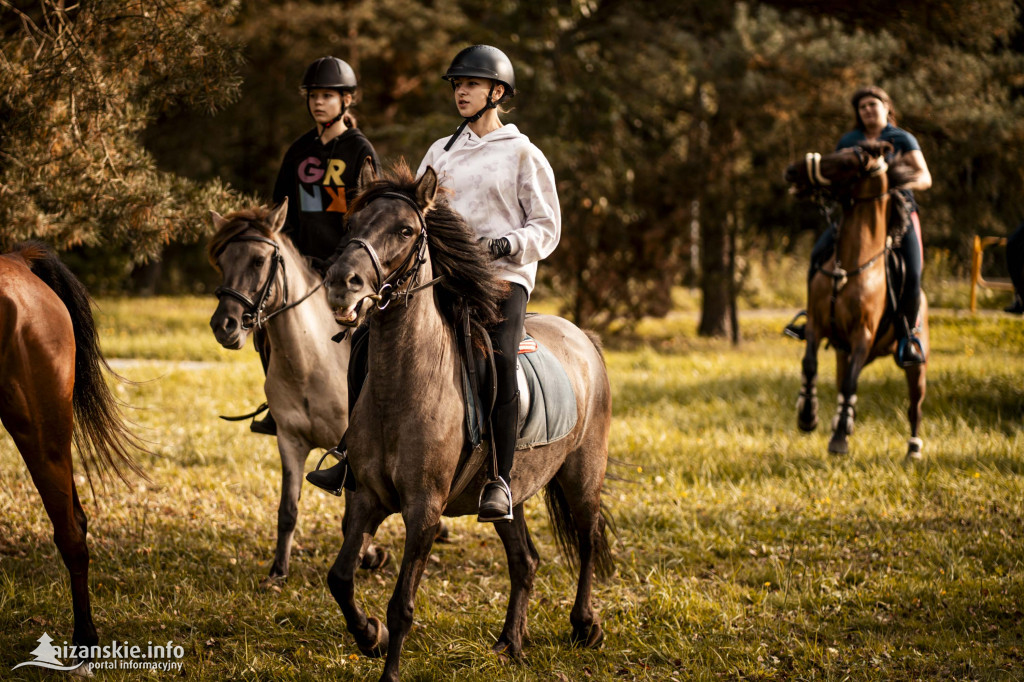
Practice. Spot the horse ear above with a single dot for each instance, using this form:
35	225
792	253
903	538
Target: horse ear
367	173
426	189
218	220
276	218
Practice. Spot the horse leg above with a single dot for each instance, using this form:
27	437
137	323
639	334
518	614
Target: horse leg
46	449
522	567
848	369
421	527
807	401
293	460
362	517
916	384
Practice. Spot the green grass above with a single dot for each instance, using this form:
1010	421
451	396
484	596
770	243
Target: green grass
743	550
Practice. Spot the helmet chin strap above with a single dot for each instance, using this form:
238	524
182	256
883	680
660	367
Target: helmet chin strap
344	109
491	104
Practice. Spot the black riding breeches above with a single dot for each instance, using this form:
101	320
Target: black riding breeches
505	338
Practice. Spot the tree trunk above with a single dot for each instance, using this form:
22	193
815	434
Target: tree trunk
716	277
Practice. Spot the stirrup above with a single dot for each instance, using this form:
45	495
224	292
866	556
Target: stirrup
494	515
326	481
902	350
794	330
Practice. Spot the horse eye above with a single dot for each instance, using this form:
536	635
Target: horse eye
258	261
406	231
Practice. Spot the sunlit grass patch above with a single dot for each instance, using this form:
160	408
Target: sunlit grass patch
744	551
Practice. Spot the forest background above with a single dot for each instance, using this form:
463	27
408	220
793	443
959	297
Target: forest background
668	125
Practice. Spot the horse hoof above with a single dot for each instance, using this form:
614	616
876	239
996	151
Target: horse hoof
84	670
807	426
378	560
272	583
380	644
506	652
914	446
588	638
444	535
838	447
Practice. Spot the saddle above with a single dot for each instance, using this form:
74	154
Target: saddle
547	401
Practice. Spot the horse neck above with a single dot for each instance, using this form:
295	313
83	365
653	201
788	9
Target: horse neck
863	230
313	318
412	347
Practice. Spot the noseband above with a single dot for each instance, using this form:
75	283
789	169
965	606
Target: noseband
389	288
254	316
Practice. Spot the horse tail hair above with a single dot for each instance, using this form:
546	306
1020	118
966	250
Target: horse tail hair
567	537
100	433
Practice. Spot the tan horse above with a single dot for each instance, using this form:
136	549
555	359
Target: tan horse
407	436
267	283
847	297
52	393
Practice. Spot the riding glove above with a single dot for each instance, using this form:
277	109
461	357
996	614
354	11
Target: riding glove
499	247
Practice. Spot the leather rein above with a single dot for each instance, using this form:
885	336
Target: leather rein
254	316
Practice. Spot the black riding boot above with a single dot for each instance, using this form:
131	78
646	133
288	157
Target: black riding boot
266	426
334	478
909	352
496	497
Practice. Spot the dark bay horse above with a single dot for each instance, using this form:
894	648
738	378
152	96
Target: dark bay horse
407	434
267	283
53	394
847	300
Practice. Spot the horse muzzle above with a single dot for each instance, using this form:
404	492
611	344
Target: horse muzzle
228	329
347	291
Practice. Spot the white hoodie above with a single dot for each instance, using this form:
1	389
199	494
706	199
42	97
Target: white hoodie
504	187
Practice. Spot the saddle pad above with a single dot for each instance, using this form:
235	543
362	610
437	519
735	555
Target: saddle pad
552	413
552	410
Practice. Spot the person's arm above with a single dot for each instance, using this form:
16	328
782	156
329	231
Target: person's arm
538	197
922	177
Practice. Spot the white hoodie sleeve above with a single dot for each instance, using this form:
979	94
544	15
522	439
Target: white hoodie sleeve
538	197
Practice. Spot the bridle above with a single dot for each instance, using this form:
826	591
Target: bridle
839	275
254	316
390	287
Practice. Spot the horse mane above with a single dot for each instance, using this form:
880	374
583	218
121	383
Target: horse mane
456	253
236	223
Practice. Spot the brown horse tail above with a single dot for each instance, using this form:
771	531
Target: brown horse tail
100	434
566	536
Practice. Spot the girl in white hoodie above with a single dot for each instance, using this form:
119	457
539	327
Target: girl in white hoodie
505	189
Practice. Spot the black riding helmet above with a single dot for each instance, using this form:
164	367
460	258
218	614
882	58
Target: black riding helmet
329	73
481	61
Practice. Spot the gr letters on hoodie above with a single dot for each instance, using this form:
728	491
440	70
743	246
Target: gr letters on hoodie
504	187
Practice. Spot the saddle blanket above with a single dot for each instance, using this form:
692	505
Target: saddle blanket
547	401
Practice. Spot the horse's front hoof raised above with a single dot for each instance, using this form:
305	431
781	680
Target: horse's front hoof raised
591	637
914	447
380	643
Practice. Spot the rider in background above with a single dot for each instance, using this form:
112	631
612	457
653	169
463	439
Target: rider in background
875	119
505	189
319	175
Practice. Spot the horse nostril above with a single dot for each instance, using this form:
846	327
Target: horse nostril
230	324
354	282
